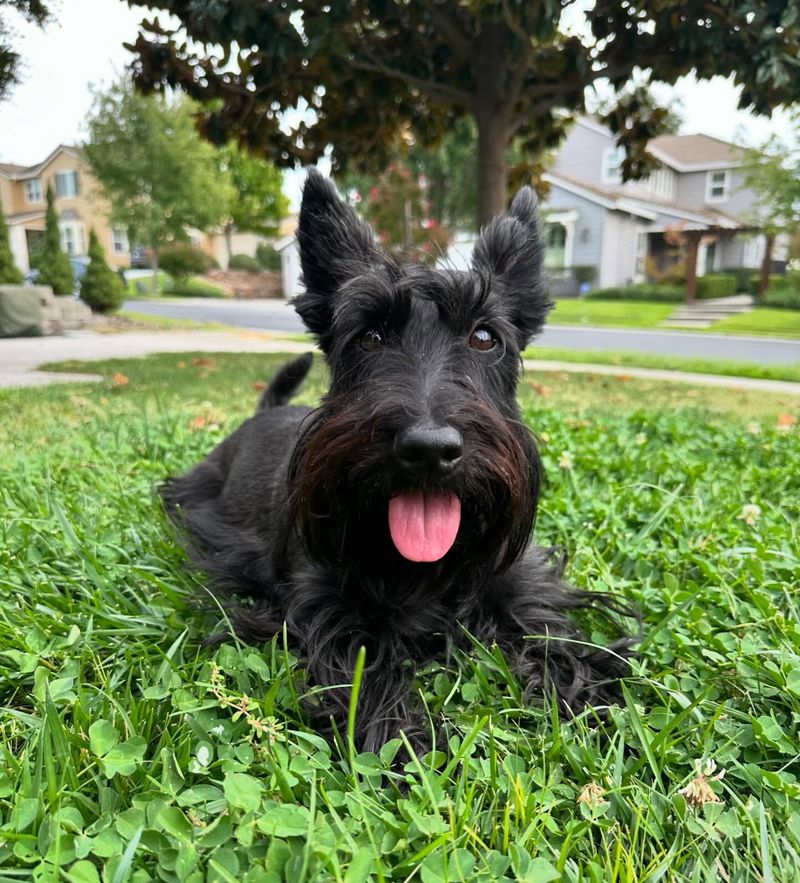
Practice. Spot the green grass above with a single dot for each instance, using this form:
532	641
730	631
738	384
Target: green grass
624	314
762	320
666	362
143	285
125	755
167	323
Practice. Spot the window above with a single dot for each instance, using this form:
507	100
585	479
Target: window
612	164
555	245
33	190
67	184
73	241
717	186
119	241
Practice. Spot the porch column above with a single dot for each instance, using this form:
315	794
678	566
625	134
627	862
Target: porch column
692	246
19	247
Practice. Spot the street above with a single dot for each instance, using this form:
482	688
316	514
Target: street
278	315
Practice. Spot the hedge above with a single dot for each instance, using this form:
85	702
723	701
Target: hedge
784	291
244	262
182	261
716	285
640	291
193	288
268	257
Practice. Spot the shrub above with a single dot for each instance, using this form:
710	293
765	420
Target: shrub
645	291
268	257
53	265
784	291
9	274
193	288
746	279
244	262
716	285
101	287
181	260
584	274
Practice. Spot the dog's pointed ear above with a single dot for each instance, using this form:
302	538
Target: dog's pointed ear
509	252
334	246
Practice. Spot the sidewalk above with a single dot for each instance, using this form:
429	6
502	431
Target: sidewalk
20	357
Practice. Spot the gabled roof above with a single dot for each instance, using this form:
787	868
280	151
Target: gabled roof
649	209
20	173
695	153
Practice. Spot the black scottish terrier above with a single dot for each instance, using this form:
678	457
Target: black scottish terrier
398	514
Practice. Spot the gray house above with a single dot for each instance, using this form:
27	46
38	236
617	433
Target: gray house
593	219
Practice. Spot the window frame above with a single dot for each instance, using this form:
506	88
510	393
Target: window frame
69	175
618	153
28	185
710	185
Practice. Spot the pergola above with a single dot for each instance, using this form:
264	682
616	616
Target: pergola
693	238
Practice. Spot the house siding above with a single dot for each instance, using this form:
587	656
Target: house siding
581	154
588	236
618	260
87	208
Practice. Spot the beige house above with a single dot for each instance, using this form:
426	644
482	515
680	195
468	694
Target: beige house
79	204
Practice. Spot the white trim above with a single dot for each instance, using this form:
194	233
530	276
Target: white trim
726	186
590	124
613	203
559	216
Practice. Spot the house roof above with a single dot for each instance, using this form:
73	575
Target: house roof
19	173
695	152
647	208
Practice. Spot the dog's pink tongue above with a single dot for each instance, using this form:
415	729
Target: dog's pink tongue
424	525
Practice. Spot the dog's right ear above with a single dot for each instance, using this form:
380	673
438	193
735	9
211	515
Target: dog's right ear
335	246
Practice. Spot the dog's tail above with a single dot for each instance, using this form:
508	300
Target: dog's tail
285	383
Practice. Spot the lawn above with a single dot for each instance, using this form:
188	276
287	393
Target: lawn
762	320
624	358
627	314
132	751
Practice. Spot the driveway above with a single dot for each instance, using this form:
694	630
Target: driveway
20	358
277	315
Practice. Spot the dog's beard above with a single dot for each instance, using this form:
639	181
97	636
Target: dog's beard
343	482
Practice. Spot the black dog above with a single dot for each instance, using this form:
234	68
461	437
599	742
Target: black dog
398	514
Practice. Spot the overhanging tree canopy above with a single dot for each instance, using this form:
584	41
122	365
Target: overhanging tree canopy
31	10
373	69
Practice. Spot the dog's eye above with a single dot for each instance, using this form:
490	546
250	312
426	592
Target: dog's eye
482	339
372	339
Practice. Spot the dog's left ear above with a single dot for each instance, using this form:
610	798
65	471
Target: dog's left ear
335	246
510	251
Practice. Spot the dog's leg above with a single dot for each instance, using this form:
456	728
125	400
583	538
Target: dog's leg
531	621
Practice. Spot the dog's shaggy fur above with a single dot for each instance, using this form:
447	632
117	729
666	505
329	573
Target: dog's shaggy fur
292	508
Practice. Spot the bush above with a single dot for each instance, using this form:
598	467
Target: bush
181	261
584	274
746	279
268	257
53	264
101	287
716	285
784	291
244	262
646	291
193	288
9	274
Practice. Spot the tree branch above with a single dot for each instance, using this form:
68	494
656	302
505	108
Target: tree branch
438	91
450	29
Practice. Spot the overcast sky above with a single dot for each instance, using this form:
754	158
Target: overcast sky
85	47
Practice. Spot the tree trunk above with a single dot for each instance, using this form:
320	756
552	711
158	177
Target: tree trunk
492	168
766	268
692	247
229	239
493	110
154	268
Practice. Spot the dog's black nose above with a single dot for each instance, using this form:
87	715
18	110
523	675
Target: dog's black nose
428	451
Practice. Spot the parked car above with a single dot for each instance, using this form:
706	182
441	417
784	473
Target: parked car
79	265
141	257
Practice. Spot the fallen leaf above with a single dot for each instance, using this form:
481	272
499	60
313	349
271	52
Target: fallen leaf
259	385
624	377
785	422
204	361
119	380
